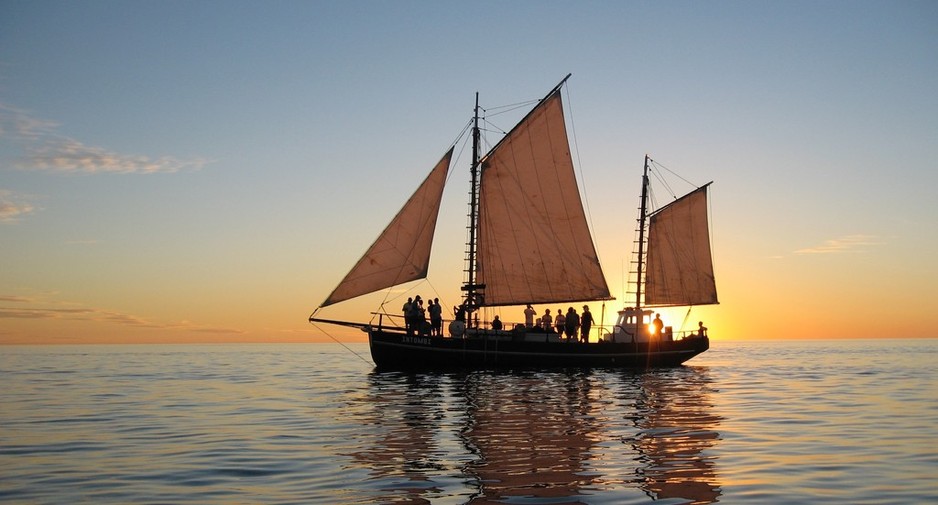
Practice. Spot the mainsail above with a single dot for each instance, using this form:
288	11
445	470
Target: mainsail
534	243
679	265
402	251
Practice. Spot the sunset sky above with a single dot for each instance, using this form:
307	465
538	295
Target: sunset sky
208	171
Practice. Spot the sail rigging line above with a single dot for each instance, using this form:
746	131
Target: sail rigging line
462	137
672	172
347	348
503	109
653	169
686	316
432	288
388	299
465	128
462	149
656	170
494	129
664	184
507	108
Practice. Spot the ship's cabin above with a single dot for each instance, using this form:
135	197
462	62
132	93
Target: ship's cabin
634	325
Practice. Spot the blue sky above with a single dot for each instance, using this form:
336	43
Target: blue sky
179	171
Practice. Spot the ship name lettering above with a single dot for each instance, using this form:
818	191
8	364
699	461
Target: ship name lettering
416	340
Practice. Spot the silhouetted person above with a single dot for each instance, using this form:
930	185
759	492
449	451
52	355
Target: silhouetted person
571	324
560	322
408	310
658	324
701	329
496	323
420	318
436	317
586	322
529	313
547	322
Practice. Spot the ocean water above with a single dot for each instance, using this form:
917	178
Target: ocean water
796	422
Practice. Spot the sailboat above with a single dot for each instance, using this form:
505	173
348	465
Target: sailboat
529	243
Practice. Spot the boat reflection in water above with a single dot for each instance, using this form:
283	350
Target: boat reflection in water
575	436
675	428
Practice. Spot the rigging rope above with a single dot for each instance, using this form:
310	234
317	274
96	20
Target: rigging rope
333	338
684	322
502	109
675	174
660	178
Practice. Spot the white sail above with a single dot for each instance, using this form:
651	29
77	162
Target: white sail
402	251
534	244
679	266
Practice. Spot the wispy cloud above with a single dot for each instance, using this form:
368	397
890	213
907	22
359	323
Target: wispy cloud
848	243
45	149
15	299
23	307
19	124
27	313
67	155
13	206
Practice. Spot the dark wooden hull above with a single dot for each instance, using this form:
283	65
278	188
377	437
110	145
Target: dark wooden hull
395	350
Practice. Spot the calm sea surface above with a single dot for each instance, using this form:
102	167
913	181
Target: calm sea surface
800	422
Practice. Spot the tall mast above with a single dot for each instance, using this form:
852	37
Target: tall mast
472	302
641	238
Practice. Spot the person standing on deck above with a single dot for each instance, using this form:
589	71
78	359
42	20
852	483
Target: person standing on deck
560	322
658	325
436	317
529	313
547	322
586	322
571	324
408	315
420	317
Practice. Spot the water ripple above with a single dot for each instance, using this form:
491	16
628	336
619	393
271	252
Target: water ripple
744	423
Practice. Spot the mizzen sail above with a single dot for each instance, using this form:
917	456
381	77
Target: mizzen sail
534	243
402	251
679	266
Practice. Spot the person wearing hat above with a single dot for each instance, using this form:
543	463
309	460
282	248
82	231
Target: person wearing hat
586	321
